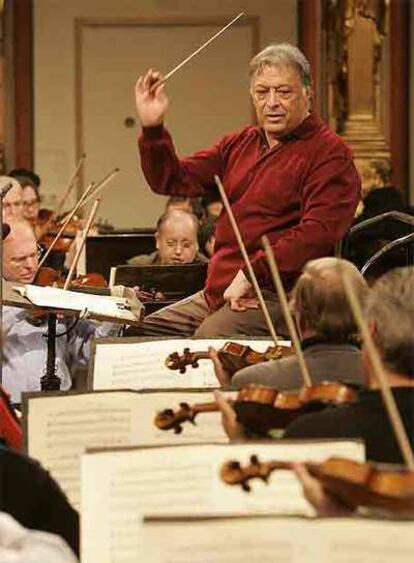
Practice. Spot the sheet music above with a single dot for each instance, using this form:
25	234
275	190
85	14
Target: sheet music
281	540
184	480
61	427
141	365
57	298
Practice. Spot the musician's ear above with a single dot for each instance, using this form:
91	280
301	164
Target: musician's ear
157	241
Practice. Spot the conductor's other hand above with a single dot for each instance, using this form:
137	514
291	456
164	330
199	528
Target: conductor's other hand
238	294
150	99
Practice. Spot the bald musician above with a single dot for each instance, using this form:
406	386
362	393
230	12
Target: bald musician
176	241
25	347
289	177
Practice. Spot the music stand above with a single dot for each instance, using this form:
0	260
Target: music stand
174	282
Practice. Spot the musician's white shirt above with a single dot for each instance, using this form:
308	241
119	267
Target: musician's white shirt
20	545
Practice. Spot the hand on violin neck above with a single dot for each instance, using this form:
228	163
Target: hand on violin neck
222	375
238	294
232	427
322	501
150	100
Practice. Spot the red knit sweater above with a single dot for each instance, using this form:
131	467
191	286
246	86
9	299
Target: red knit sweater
302	194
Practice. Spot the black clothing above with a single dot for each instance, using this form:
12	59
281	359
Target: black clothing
366	419
34	499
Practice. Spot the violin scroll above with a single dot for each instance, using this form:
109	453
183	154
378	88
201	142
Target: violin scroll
233	473
176	362
170	420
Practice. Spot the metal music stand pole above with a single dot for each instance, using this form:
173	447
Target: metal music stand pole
50	381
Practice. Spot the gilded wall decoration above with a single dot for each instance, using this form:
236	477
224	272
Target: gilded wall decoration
357	75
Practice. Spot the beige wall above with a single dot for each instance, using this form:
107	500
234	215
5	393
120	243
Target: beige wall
54	62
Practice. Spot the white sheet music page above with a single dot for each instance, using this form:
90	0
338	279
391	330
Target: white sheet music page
61	427
141	365
119	487
281	540
57	298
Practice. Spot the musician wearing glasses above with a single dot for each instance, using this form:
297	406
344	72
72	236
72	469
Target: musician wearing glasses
288	177
25	346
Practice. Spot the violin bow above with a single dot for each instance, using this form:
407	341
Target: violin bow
196	52
378	368
62	202
82	243
65	224
96	189
71	185
274	270
247	261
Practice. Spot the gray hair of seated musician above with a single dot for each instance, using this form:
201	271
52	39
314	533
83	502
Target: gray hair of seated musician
284	53
319	297
390	306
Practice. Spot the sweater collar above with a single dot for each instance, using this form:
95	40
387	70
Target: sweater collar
313	340
306	129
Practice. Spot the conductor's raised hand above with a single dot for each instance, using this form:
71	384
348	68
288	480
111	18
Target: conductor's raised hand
150	99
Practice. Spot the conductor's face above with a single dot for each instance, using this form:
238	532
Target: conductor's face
280	99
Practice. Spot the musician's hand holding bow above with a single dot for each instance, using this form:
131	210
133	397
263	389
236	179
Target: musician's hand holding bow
222	375
238	294
314	492
150	99
232	427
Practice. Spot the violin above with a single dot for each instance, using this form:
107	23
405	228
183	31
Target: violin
10	428
260	409
352	483
50	277
232	355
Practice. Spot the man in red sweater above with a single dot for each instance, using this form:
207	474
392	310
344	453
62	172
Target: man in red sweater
290	178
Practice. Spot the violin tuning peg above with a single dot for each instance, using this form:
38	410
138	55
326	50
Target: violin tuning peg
182	370
254	460
177	429
246	487
234	465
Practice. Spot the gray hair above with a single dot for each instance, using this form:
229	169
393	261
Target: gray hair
286	53
319	297
390	306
